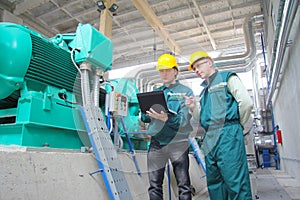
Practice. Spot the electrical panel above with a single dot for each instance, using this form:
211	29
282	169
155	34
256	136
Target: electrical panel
118	104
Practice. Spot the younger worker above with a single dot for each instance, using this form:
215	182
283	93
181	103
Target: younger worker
169	133
225	108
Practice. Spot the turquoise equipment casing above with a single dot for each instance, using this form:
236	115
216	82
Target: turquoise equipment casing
40	88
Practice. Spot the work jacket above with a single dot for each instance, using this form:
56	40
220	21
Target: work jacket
177	128
218	106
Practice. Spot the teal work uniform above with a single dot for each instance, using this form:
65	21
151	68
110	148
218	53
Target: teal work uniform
177	128
169	141
225	155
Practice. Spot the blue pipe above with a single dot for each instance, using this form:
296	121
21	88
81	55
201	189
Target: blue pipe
275	128
196	149
169	180
108	119
131	147
276	158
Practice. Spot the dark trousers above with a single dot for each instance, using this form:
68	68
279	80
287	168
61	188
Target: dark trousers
158	156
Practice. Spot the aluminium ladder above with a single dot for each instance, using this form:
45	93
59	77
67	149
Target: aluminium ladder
104	150
105	153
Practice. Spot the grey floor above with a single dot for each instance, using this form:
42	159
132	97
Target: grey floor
272	184
269	184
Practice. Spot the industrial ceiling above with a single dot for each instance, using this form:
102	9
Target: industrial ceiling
144	29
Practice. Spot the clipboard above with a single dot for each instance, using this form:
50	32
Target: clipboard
155	100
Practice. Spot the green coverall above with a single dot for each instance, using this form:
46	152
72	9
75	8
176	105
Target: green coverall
225	156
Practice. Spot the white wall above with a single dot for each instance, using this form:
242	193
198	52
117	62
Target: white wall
287	106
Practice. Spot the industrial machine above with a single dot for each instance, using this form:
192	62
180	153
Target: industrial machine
52	96
40	84
126	88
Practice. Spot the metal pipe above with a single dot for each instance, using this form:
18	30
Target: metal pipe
265	68
275	43
85	84
188	75
237	63
145	74
289	11
142	73
286	17
256	99
96	86
255	87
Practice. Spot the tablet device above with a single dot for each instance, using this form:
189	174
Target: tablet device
155	100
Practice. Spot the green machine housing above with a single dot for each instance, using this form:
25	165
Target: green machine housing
40	87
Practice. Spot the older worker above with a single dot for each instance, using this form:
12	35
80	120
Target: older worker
225	107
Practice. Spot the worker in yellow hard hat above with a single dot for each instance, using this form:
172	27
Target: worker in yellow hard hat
166	62
169	133
225	106
198	55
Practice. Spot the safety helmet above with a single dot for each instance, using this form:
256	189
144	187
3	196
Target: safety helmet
197	56
166	61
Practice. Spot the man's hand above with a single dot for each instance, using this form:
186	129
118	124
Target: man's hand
160	116
190	102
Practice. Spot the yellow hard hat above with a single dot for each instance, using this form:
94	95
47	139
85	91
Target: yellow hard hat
166	61
197	56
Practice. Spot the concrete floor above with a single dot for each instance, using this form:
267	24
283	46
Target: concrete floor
275	184
271	184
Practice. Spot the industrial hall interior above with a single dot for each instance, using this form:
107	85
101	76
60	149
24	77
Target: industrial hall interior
149	99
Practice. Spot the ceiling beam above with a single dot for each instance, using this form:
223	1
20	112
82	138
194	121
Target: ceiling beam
37	26
212	41
153	20
105	25
231	14
27	5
